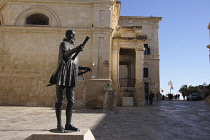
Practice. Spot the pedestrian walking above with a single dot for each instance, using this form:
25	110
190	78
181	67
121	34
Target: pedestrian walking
151	96
146	98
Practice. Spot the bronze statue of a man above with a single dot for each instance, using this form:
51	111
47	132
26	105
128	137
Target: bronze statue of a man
65	78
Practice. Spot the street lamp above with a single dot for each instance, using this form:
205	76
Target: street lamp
170	84
208	46
209	51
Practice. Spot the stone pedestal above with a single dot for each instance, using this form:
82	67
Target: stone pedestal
127	101
83	134
109	97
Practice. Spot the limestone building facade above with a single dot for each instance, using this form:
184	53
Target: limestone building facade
122	51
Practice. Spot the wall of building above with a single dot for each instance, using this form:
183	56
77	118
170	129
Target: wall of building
29	52
150	26
130	39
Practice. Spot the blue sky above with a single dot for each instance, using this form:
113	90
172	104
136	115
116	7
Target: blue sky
183	36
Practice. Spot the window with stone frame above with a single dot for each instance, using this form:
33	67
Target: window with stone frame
146	73
37	19
147	49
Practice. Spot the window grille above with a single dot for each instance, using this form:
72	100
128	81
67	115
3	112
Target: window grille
37	19
147	49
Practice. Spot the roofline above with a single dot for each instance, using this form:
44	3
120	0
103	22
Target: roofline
142	17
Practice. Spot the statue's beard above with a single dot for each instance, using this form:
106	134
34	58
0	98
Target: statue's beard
72	40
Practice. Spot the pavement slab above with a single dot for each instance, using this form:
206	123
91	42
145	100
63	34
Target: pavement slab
164	120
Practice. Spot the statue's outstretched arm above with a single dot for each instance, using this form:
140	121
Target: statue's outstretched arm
69	53
86	69
76	50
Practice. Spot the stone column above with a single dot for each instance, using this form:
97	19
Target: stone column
139	87
156	61
115	66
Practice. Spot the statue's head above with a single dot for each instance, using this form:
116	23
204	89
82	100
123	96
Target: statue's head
70	35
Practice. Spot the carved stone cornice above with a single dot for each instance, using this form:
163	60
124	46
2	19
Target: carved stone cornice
61	1
139	37
129	33
140	49
139	19
52	29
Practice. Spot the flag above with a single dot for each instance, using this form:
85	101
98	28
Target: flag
172	87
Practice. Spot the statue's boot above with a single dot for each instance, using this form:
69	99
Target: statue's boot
58	112
71	127
68	125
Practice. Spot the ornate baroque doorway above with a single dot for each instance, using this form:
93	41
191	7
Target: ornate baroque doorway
127	68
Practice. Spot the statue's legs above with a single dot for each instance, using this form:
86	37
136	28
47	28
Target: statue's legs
60	90
69	109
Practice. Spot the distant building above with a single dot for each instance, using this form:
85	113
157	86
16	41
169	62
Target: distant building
122	50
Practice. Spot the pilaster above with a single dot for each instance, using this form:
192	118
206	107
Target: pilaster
115	65
139	87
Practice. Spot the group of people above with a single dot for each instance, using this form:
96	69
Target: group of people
149	98
171	96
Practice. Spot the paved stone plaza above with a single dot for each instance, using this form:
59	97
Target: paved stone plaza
164	120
